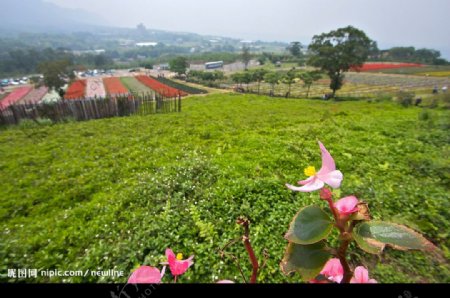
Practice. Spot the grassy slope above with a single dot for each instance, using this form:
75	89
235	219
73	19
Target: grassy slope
114	193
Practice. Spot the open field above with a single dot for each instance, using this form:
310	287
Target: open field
422	71
135	86
436	73
114	193
363	85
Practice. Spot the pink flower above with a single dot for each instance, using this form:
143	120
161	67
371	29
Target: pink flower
333	270
177	265
225	281
146	275
361	276
347	205
326	175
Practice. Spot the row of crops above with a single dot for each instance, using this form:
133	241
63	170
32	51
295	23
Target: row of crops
26	94
376	66
113	86
99	88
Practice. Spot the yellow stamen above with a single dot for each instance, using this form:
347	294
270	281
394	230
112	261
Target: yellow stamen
310	171
179	256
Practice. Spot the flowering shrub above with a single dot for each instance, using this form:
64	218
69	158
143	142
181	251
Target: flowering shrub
307	252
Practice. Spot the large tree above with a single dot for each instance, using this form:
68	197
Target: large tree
55	74
338	50
179	65
295	49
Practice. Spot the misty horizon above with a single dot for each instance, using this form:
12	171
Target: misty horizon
403	23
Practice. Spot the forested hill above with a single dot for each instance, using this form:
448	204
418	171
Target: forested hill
40	16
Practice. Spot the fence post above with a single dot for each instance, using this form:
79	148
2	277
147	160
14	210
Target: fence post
15	114
179	103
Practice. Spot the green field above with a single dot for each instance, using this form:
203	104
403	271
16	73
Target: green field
135	86
114	193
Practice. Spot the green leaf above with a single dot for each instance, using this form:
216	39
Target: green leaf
308	260
369	245
373	236
310	225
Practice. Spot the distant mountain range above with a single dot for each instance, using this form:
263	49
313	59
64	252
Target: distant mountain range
36	16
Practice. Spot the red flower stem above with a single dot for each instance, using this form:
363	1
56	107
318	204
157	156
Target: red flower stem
175	279
342	251
335	215
245	223
333	210
345	237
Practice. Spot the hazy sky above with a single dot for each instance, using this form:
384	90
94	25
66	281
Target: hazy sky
420	23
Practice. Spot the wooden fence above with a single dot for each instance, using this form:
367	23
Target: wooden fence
88	109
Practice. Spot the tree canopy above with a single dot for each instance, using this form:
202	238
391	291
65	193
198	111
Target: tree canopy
56	73
295	49
337	51
179	65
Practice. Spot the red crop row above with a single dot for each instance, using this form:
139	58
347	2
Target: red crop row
76	90
14	96
380	66
114	86
159	87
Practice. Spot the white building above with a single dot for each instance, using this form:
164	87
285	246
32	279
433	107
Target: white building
146	44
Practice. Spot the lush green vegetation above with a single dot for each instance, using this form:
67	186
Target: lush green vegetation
206	78
114	193
27	60
409	54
